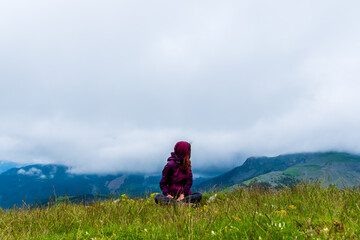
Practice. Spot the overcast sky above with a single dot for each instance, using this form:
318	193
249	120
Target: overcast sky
112	85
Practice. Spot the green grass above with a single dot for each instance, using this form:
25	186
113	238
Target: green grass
295	171
338	157
307	211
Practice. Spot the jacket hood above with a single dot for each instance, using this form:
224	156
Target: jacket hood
181	149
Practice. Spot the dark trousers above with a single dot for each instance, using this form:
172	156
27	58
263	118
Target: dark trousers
192	198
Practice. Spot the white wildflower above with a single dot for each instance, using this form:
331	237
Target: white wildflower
212	232
212	198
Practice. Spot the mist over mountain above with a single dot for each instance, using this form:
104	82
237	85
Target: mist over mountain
4	166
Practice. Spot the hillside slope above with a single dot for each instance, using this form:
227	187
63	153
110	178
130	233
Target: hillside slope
337	167
341	169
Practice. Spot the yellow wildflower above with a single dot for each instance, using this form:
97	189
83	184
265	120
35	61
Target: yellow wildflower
292	207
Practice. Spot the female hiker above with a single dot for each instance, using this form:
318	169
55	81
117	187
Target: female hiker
177	177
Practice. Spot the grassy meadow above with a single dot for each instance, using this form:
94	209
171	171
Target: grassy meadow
306	211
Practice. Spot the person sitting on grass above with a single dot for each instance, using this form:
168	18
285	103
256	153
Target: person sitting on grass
177	177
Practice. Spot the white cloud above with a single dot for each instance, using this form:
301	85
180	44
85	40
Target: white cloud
111	86
31	172
21	171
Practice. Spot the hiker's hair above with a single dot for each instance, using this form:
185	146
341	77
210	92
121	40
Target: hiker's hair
186	164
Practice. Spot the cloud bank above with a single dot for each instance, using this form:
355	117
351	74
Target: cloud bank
107	86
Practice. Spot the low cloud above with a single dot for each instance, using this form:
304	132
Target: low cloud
31	172
112	86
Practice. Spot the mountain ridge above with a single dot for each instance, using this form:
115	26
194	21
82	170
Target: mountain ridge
260	166
40	181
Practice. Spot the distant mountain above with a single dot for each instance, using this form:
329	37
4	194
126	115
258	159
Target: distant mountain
39	182
333	167
4	166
